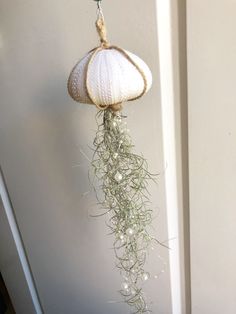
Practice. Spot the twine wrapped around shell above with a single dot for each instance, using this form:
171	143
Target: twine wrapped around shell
108	75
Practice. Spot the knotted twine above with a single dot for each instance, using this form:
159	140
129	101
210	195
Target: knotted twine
104	44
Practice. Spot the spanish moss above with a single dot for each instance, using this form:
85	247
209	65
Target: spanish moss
123	178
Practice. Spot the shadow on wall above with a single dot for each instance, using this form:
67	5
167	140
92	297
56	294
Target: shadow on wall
5	301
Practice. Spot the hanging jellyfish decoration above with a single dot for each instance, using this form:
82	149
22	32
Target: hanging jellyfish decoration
106	77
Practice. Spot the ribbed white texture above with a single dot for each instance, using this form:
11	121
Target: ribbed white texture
111	78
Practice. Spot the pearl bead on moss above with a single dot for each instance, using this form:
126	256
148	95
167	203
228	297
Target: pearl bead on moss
125	286
121	236
130	232
145	276
132	291
118	177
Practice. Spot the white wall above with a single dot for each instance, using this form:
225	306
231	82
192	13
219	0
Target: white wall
42	131
212	154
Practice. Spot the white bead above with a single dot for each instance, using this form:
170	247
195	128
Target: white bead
125	286
114	123
130	232
145	276
132	291
121	236
115	155
118	177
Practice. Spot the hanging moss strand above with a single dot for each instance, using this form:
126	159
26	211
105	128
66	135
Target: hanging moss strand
123	178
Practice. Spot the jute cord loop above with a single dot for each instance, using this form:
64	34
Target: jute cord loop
101	28
102	32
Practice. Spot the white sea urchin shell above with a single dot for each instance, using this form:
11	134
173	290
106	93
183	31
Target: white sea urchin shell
110	78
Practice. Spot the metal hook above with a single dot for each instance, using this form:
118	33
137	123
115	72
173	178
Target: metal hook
99	9
98	4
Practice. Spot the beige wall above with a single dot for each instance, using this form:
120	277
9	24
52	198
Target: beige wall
42	131
212	154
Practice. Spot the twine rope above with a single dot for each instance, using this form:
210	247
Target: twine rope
101	29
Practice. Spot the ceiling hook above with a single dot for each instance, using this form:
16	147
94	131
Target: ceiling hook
98	4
